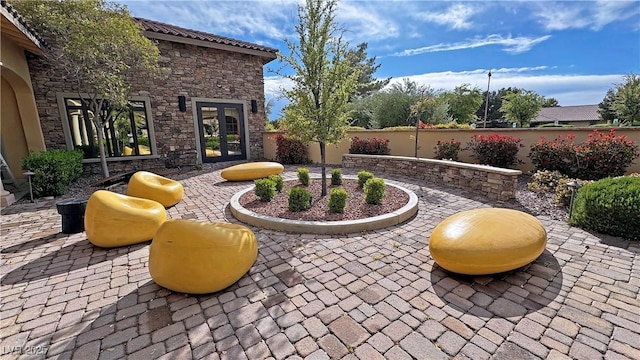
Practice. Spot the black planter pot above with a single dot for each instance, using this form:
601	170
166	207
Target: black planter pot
72	211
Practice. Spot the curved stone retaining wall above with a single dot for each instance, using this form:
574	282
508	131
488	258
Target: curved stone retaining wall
494	183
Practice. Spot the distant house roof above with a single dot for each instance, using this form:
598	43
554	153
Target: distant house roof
568	114
16	28
161	31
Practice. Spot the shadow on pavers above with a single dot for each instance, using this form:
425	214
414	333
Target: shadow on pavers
79	255
514	293
33	243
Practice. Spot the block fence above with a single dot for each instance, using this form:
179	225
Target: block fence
494	183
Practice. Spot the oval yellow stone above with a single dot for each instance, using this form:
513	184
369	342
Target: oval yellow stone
199	258
487	241
112	219
147	185
251	171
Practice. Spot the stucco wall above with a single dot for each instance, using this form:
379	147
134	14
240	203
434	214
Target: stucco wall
193	72
21	131
401	143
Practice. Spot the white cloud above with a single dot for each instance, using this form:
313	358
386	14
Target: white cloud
568	89
457	16
587	14
366	22
513	45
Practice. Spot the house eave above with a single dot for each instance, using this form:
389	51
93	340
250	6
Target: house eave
265	55
15	30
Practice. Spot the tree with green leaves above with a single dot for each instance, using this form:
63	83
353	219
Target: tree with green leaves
521	107
392	106
323	80
463	103
494	116
605	108
367	83
626	103
549	102
98	46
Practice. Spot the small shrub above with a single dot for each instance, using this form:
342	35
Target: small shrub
609	206
447	149
291	151
363	176
557	155
495	150
453	125
299	199
563	190
265	189
338	200
53	170
374	191
303	176
544	181
336	177
604	154
372	146
277	179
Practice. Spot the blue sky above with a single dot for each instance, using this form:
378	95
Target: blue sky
573	51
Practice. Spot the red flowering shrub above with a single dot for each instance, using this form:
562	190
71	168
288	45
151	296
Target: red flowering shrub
559	154
290	151
605	154
602	155
447	149
495	150
372	146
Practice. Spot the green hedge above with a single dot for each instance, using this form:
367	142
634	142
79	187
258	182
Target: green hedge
609	206
54	170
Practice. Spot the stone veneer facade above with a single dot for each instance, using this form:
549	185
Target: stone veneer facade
494	183
193	72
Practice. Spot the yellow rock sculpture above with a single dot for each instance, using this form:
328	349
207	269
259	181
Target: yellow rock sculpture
199	258
487	241
112	219
147	185
251	171
142	149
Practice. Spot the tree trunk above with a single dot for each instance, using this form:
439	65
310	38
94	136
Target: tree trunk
416	143
323	166
103	157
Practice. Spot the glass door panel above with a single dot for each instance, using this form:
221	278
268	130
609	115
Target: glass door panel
211	131
232	116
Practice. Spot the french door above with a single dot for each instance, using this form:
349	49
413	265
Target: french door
221	131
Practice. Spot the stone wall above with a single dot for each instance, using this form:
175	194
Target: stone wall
494	183
193	72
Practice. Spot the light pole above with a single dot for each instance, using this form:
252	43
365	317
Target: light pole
486	105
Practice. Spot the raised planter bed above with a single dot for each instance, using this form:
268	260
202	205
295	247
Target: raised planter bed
492	182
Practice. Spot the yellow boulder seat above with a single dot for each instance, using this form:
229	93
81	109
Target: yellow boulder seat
212	153
112	219
142	149
487	241
147	185
251	171
200	258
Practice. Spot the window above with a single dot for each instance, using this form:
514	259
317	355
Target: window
126	134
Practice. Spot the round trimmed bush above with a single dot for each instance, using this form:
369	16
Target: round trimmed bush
277	179
610	206
338	200
303	176
336	177
265	189
299	199
363	176
374	191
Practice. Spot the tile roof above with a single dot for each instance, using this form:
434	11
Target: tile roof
568	113
162	28
34	42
